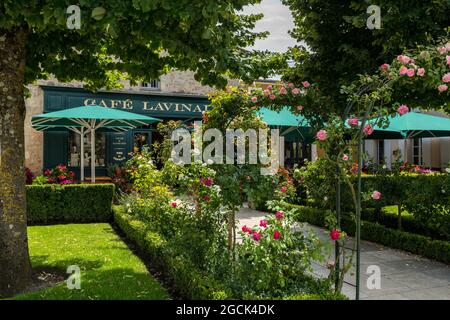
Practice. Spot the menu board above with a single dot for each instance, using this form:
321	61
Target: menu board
118	148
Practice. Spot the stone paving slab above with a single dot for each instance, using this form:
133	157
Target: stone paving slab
404	276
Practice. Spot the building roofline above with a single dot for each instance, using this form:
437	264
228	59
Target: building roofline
128	91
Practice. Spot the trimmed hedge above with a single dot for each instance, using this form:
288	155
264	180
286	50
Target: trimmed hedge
418	244
188	281
49	204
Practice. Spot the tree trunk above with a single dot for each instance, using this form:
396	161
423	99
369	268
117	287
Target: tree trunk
15	268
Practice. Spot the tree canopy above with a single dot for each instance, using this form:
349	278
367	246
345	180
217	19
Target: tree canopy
339	46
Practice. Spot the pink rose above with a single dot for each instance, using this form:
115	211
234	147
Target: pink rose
272	97
442	88
283	189
300	108
269	88
306	84
254	99
403	109
245	229
403	70
266	93
404	59
295	91
446	78
385	67
442	50
368	130
376	195
291	85
276	235
279	215
410	72
283	90
208	182
321	135
335	234
173	204
353	122
448	60
263	223
421	72
256	236
345	157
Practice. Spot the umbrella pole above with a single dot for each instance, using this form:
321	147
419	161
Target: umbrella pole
82	156
93	155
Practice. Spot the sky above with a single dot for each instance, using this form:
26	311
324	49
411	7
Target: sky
278	21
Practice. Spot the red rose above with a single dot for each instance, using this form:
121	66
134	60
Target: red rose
256	236
245	229
263	223
283	190
61	177
279	215
47	172
276	235
335	234
206	198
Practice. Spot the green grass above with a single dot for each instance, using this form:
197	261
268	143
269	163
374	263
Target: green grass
109	270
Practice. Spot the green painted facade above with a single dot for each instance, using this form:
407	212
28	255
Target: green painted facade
117	145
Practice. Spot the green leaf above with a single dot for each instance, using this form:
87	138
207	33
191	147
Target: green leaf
98	13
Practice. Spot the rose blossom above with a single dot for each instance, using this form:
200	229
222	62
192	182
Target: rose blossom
442	88
295	91
254	99
283	190
368	130
421	72
403	70
353	122
290	85
300	108
446	78
321	135
256	236
385	67
173	204
276	235
263	223
266	93
245	229
442	50
208	182
272	97
279	215
376	195
345	157
269	87
283	90
206	198
335	234
404	59
306	84
410	72
403	109
448	60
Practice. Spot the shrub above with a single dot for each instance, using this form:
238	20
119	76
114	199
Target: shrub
375	232
60	175
47	204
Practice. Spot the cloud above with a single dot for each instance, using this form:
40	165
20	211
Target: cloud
278	21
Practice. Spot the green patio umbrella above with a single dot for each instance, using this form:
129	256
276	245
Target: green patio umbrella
89	119
291	126
419	125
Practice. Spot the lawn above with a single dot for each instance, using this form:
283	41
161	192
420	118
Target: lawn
109	270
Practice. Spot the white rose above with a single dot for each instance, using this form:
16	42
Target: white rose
210	161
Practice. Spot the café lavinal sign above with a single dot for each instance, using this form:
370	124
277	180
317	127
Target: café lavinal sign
143	106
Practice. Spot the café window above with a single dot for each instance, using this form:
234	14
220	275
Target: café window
417	151
141	140
153	84
74	158
380	152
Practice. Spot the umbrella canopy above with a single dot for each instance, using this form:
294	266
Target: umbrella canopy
89	119
88	115
292	126
419	125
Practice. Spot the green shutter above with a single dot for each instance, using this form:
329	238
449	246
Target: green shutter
55	148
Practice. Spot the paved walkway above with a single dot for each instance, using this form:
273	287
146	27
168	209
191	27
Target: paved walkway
404	276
